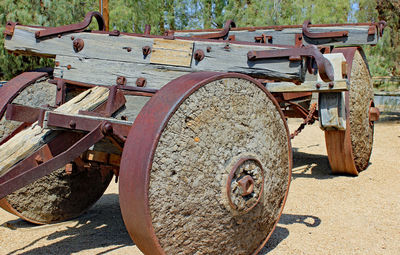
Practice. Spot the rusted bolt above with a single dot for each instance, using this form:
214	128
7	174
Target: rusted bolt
128	49
227	47
39	160
72	38
141	82
123	117
107	128
331	85
69	168
69	67
209	49
57	63
78	44
373	114
72	124
59	36
199	55
251	55
146	50
247	185
121	80
318	85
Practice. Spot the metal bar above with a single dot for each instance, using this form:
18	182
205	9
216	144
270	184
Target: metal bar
84	123
73	27
219	35
307	32
22	113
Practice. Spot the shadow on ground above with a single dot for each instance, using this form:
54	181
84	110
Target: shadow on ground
310	166
102	226
282	233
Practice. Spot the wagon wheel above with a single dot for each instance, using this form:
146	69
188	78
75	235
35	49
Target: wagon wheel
349	151
206	167
57	196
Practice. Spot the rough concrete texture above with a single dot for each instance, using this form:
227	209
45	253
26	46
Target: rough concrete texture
360	95
221	120
58	196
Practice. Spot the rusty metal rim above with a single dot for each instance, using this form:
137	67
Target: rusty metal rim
344	136
229	181
139	151
6	206
12	88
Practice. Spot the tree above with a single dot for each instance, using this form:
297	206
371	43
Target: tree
41	13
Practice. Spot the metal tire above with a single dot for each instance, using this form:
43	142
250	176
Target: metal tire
349	151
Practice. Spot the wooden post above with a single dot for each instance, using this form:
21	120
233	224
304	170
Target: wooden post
104	4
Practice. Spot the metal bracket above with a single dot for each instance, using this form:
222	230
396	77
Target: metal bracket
78	27
325	67
333	34
114	102
220	35
332	113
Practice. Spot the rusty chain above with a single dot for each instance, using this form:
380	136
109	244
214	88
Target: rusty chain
310	119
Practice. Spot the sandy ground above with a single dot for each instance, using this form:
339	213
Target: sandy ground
324	214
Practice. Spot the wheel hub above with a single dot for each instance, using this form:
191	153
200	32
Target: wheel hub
245	184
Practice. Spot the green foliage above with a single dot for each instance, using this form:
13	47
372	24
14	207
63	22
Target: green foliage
41	13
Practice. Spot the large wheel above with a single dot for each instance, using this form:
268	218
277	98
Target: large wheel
349	151
58	196
206	167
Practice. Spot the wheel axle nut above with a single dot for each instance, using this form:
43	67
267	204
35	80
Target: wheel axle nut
247	185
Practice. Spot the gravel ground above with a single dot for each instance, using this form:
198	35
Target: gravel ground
324	214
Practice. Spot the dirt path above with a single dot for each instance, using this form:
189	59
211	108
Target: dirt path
324	214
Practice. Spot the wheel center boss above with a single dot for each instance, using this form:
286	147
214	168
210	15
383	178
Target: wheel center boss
244	184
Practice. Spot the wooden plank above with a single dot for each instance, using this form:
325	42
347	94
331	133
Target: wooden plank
109	54
357	35
172	52
307	86
105	72
32	138
112	47
230	57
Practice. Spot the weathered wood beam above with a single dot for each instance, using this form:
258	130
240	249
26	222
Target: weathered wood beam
287	36
104	55
308	86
